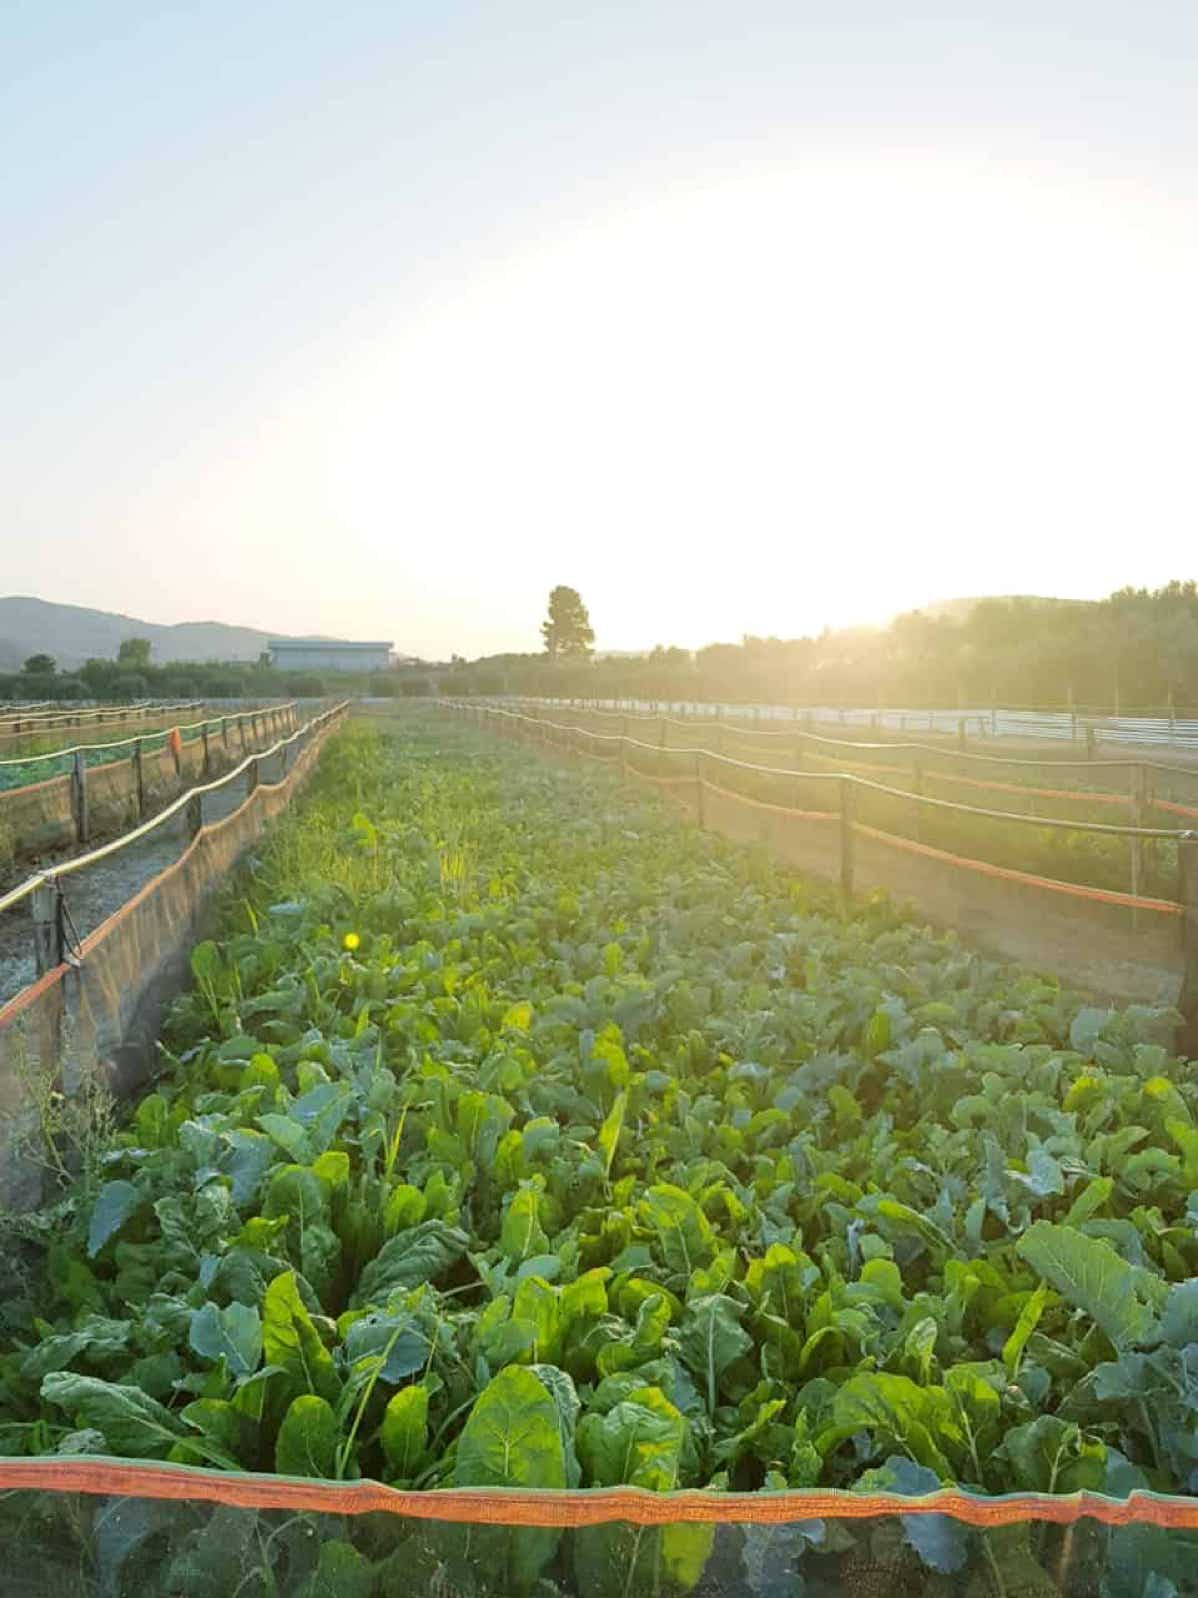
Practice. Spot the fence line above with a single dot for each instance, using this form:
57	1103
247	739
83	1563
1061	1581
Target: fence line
733	722
1158	910
44	889
85	715
209	722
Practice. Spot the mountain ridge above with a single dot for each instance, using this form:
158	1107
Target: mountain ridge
75	633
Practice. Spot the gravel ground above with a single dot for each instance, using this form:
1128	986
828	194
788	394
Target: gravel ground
95	894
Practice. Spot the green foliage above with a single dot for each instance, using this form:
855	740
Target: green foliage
616	1156
567	629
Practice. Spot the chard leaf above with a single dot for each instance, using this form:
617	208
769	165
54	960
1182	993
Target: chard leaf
234	1333
939	1540
404	1432
609	1132
291	1341
422	1253
512	1437
308	1438
134	1425
638	1442
115	1203
1088	1274
710	1338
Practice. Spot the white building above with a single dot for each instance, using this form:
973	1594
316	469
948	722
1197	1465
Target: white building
329	654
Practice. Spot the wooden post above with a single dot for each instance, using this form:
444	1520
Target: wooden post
1187	871
700	807
207	751
846	838
79	797
194	814
45	906
241	731
1139	788
251	777
1091	742
139	778
224	732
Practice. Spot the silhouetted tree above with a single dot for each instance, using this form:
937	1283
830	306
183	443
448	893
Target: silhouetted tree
567	629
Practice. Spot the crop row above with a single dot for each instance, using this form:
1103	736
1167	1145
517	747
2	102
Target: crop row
513	1135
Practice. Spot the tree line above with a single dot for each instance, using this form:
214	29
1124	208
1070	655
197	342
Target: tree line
1137	649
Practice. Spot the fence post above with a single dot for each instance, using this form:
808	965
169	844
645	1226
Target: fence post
79	796
45	907
194	815
139	779
224	732
700	807
846	838
1091	742
207	752
1187	871
251	777
1139	793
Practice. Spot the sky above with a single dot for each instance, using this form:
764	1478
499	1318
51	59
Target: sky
380	320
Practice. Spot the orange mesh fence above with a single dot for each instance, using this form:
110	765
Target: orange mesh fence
1020	776
592	1506
107	1529
1104	939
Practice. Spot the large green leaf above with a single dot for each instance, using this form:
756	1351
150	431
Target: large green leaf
709	1339
133	1424
403	1433
308	1438
422	1253
233	1333
638	1442
1049	1455
512	1437
1088	1274
291	1341
684	1235
115	1203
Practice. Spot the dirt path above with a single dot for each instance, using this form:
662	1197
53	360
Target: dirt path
95	894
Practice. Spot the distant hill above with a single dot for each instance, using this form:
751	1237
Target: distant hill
73	634
958	609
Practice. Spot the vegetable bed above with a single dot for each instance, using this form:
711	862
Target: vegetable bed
513	1134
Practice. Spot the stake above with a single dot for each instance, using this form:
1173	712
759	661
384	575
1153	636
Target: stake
846	839
139	780
1138	789
1187	871
79	796
45	907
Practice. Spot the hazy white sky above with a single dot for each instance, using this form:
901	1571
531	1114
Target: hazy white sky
381	320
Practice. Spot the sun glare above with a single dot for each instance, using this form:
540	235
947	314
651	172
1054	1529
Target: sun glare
798	382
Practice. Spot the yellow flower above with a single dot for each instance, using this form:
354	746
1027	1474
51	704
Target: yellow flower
351	940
